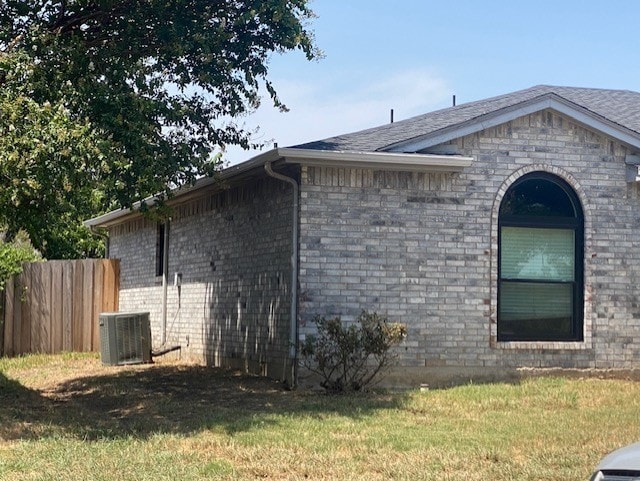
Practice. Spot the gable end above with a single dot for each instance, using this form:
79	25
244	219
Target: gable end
493	119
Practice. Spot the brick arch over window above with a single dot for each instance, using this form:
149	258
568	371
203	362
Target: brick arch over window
508	285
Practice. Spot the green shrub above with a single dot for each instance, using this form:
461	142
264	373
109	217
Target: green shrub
13	254
351	357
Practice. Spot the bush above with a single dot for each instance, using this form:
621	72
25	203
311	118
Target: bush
13	254
349	358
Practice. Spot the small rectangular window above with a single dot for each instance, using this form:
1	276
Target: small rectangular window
160	249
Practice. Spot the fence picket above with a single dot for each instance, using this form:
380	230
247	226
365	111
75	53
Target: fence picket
44	313
87	307
17	314
27	292
67	305
78	306
8	319
57	324
98	290
35	298
54	306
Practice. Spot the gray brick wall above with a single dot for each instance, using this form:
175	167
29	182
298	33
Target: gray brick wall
422	249
233	251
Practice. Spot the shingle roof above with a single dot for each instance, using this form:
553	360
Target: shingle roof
621	107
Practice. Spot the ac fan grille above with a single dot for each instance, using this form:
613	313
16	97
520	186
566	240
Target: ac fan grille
129	339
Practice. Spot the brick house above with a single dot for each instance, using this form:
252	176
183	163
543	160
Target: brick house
502	232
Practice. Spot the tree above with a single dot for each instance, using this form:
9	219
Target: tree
106	102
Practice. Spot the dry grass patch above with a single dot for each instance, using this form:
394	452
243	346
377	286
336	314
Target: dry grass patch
69	417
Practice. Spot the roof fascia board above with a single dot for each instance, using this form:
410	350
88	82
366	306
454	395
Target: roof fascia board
493	119
113	217
376	160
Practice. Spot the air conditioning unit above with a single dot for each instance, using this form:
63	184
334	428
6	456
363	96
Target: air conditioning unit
125	338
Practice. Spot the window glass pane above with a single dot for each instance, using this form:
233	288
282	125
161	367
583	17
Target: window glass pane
537	197
535	311
540	254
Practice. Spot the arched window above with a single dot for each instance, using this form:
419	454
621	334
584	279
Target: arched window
540	250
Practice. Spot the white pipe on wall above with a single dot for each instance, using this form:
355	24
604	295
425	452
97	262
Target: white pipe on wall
293	326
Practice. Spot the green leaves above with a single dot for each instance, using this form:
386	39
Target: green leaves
13	254
47	166
114	100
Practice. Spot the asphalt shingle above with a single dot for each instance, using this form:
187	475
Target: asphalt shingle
619	106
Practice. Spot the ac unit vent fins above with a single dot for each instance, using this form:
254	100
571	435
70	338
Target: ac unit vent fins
125	338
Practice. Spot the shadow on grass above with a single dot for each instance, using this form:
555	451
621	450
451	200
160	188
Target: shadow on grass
134	402
22	410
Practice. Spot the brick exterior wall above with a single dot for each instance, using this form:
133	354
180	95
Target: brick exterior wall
421	248
233	250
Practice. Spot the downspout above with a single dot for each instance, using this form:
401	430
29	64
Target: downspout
99	232
165	276
293	327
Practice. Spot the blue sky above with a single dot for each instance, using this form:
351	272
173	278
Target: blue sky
413	56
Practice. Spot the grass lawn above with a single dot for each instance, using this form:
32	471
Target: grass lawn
68	417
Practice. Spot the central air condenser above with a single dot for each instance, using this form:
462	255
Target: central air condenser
125	338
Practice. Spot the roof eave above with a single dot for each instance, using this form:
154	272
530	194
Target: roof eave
235	171
374	160
507	114
397	161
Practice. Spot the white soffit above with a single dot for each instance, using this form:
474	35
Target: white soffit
493	119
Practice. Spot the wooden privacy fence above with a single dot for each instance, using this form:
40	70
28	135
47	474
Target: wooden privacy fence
54	306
